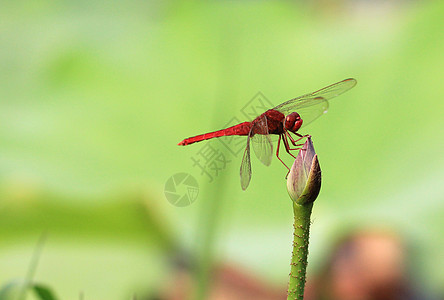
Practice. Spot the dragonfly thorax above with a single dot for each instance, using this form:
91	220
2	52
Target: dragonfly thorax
293	122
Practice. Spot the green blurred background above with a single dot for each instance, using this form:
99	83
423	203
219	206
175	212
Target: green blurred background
94	97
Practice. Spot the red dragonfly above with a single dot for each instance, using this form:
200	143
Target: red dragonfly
280	120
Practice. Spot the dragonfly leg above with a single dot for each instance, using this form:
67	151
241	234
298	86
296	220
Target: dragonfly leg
293	141
277	155
298	146
287	146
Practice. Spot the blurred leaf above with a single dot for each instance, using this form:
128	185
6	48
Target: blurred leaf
9	288
136	217
43	292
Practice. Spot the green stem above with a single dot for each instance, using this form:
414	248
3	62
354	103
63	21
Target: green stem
32	267
296	284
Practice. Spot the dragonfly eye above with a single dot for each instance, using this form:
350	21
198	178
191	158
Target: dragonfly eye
293	122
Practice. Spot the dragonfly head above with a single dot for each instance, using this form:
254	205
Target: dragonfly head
293	122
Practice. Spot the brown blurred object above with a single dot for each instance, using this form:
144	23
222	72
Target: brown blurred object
369	265
228	283
366	265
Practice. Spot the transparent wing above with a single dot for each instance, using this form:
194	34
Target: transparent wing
262	145
245	169
314	111
313	105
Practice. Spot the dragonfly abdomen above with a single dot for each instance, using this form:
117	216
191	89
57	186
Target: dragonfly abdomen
239	129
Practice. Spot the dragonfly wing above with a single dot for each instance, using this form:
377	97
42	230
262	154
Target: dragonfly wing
245	169
315	104
310	113
262	145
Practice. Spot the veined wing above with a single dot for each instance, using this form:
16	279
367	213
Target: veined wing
245	169
313	105
262	145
